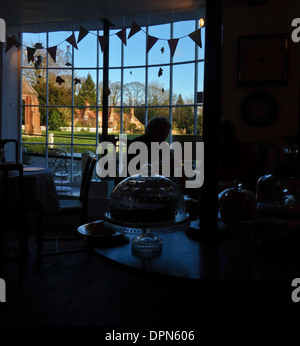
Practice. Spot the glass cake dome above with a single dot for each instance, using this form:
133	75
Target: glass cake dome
154	203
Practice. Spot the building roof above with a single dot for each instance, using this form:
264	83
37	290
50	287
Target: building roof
27	88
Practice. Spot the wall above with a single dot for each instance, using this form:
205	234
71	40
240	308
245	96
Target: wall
240	19
10	110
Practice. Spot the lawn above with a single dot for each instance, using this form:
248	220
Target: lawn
62	139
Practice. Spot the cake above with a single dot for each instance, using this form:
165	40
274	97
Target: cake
146	200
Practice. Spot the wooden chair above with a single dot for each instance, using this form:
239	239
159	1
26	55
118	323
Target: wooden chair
69	207
3	143
12	207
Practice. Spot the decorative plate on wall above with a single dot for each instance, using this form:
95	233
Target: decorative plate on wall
259	108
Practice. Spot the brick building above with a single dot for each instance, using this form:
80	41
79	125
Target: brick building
87	117
32	120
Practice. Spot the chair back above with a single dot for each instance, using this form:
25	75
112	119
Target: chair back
86	180
57	160
3	142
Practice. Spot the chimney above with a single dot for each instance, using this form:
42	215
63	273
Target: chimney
132	112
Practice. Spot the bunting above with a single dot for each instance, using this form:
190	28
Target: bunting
52	52
71	39
10	42
196	37
151	40
103	41
122	36
134	29
30	54
82	33
173	44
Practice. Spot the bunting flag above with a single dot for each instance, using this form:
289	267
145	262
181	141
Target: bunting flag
30	54
52	52
71	39
173	44
122	35
134	29
196	37
10	42
102	40
151	40
82	33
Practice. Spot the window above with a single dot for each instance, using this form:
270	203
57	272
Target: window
62	103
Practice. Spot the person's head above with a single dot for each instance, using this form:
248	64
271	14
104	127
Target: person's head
158	129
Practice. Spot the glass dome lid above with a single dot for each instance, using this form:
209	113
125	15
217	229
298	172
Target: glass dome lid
141	202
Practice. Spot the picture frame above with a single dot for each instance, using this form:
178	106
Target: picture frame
263	59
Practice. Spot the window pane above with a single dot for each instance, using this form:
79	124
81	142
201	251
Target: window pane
86	55
201	51
114	49
114	120
60	88
30	40
185	50
33	120
134	121
158	87
183	119
155	55
184	82
85	119
57	39
85	90
114	98
200	76
135	51
200	120
134	87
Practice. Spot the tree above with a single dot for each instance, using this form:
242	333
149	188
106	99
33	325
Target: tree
55	120
134	93
115	93
183	116
87	92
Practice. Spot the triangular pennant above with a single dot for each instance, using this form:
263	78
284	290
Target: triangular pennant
134	29
82	33
30	53
196	37
151	40
52	52
122	35
102	40
10	42
173	44
71	39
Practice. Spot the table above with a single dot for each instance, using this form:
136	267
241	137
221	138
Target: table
235	257
39	191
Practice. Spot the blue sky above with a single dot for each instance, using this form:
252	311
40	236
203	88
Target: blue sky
134	55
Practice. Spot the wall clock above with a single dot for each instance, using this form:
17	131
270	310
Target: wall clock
259	108
263	59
